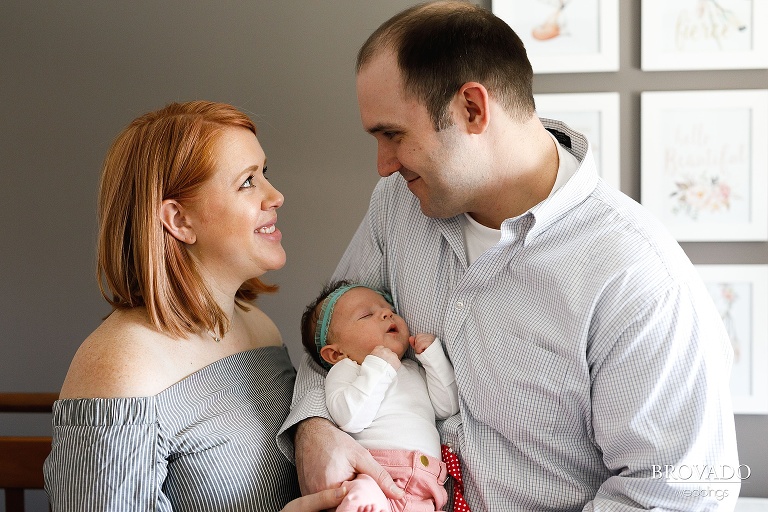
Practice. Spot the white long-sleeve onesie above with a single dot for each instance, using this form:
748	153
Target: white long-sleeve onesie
387	410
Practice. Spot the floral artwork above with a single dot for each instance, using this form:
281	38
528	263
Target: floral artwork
711	195
733	302
705	163
709	25
565	35
554	25
740	294
704	34
706	169
726	292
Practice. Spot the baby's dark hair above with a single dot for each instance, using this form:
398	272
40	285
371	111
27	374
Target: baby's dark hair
311	316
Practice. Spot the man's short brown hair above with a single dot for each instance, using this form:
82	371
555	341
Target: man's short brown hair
441	46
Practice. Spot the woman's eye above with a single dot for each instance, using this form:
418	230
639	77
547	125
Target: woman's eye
264	172
247	183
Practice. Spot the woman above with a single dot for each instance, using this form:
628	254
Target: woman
174	401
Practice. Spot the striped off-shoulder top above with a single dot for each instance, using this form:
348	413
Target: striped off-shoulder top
207	443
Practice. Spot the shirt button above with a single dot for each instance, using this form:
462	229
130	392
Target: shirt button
459	305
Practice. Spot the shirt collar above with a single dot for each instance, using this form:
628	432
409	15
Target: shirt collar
572	193
537	219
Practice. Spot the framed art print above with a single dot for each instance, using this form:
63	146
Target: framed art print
704	163
596	115
704	34
740	293
565	36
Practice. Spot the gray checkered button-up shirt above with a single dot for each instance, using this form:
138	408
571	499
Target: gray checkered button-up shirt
587	351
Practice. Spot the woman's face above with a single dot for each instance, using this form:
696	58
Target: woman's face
234	214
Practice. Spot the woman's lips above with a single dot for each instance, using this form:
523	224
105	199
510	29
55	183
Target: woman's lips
270	232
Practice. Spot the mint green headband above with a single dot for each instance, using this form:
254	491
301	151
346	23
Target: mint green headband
326	312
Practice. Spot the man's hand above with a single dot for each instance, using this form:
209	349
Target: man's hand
326	457
328	499
421	342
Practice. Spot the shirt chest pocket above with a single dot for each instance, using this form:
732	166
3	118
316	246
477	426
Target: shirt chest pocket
517	388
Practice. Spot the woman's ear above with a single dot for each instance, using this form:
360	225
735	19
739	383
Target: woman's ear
331	354
174	220
473	106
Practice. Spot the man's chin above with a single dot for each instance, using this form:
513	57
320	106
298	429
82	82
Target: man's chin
434	213
430	208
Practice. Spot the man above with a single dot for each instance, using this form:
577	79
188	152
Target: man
587	353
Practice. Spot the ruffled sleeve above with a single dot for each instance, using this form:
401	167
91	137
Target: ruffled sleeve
106	453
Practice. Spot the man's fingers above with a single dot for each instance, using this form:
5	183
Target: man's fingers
329	498
372	468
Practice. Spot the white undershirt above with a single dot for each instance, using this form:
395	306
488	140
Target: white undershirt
479	238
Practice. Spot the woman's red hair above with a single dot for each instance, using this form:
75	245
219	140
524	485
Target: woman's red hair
165	154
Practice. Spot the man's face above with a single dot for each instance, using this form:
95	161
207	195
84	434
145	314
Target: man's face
440	167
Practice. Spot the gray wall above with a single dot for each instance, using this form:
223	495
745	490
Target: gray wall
72	74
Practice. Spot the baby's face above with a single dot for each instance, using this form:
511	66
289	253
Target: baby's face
362	320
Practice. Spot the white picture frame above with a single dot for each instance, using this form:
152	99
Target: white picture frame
565	36
717	34
596	115
704	163
740	293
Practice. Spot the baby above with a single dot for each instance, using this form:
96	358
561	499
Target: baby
387	404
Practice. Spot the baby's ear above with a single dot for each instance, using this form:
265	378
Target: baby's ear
331	354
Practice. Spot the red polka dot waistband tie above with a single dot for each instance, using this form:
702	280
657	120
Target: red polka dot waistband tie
454	469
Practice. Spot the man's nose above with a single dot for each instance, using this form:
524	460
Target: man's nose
387	162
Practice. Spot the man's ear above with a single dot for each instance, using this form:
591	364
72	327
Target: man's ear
473	106
331	354
173	217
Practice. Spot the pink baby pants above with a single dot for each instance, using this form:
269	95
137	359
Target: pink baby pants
419	475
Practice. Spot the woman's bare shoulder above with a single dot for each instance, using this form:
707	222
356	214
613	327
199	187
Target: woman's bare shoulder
123	357
262	331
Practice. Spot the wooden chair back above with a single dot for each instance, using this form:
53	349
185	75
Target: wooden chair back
22	457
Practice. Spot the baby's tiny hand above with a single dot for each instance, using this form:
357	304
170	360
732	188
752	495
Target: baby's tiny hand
387	355
421	342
